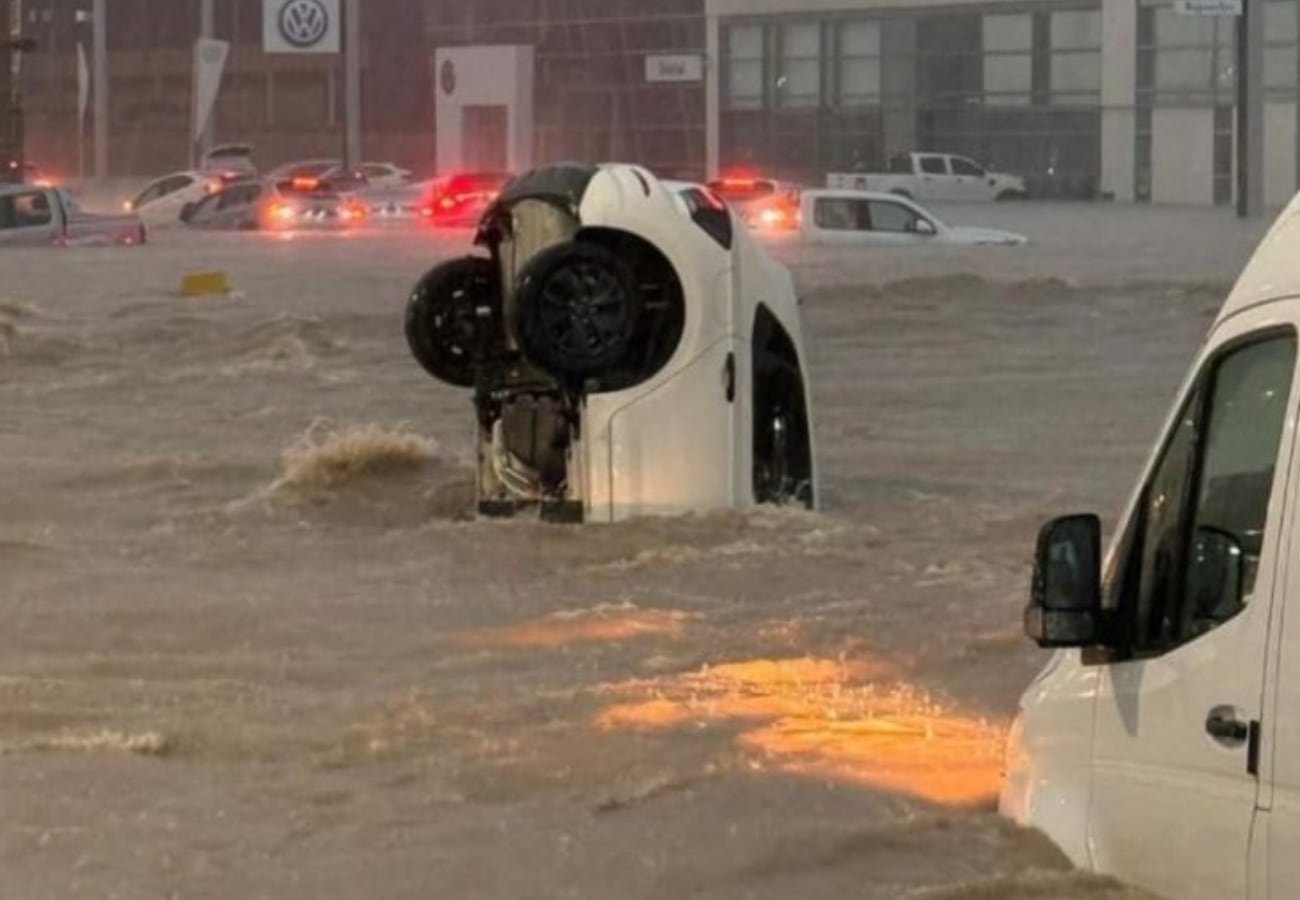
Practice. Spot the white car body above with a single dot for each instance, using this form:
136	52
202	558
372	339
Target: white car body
935	178
161	202
678	434
386	175
1175	764
865	217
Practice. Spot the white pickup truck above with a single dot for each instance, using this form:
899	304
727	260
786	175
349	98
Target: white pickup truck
36	216
935	178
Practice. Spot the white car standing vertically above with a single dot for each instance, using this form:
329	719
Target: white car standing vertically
632	351
1161	743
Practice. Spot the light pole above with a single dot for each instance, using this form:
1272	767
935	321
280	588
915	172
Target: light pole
207	31
12	137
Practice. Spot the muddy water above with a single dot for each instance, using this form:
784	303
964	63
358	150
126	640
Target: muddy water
253	645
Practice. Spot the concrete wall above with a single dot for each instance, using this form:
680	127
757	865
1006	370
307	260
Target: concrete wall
1280	126
484	76
1118	93
1182	143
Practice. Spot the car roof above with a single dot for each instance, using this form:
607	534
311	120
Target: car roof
1273	272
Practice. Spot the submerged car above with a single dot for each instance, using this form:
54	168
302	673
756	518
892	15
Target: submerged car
34	216
309	203
866	217
236	207
631	351
763	204
162	201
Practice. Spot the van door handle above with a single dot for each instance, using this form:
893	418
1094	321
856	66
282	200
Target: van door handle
1222	724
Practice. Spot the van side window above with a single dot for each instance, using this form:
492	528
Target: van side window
1194	546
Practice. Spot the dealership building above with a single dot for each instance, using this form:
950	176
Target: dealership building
1128	99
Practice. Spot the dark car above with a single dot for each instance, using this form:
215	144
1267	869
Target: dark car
236	207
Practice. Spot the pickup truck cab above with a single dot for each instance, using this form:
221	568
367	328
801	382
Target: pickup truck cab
935	177
1161	743
34	216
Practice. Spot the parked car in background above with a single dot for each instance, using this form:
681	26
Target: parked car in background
459	201
235	207
376	174
161	202
764	204
309	204
385	175
935	177
35	216
866	217
229	159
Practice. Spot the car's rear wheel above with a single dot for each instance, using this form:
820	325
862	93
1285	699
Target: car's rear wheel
577	307
453	319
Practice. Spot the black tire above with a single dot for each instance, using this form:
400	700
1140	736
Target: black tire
453	318
577	308
1008	196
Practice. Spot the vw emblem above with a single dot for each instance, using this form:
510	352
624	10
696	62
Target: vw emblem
448	77
303	23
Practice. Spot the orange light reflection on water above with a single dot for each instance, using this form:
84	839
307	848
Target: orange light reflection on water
584	627
826	718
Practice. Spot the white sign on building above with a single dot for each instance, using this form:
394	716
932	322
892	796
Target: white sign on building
688	67
301	26
1208	7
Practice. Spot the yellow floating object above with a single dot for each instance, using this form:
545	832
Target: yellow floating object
205	284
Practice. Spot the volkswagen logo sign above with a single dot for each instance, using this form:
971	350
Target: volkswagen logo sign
304	23
448	77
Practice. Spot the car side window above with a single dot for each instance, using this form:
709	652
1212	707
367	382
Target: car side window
31	210
934	165
892	217
150	194
841	214
963	166
1190	561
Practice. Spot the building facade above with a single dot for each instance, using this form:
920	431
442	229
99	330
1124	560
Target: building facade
1122	98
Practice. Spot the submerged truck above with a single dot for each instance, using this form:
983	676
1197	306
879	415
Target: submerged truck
934	177
36	216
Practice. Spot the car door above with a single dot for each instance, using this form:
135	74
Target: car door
1191	585
837	219
934	181
26	219
970	181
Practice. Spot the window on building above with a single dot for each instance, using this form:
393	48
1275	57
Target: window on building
1281	53
1076	57
745	67
859	64
1008	59
799	83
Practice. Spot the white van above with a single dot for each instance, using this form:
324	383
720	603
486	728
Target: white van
1161	744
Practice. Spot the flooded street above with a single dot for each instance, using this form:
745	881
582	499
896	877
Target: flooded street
254	644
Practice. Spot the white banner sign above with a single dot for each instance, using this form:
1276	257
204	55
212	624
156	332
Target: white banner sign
83	84
1208	7
209	65
681	68
301	26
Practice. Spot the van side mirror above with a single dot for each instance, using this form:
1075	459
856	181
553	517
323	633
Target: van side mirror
1065	600
924	227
